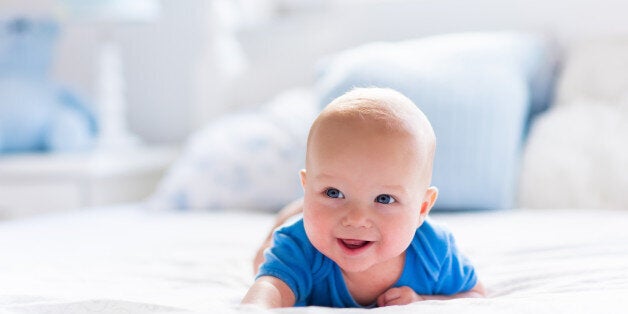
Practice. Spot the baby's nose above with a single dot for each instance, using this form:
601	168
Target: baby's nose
357	218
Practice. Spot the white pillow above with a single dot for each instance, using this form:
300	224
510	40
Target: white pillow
246	160
595	70
576	156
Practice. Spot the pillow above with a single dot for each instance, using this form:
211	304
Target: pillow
576	154
247	160
479	90
577	157
595	70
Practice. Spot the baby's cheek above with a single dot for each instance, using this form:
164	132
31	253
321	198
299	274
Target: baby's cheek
400	236
315	227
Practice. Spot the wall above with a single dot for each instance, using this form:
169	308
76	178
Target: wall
285	53
161	61
174	83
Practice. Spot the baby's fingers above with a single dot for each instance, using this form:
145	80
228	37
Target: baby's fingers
398	296
388	296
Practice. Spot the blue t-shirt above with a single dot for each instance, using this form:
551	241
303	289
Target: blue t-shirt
433	266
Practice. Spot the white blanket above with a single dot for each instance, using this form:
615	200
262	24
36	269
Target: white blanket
126	260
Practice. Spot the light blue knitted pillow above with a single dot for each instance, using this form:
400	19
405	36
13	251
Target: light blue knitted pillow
245	160
479	90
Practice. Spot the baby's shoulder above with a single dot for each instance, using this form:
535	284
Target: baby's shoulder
293	235
434	264
433	241
290	242
293	229
431	230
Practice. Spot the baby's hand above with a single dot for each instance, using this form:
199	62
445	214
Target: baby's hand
405	295
398	296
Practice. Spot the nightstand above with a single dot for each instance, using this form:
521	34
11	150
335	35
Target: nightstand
42	183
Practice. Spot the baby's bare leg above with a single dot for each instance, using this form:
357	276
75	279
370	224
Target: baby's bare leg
284	214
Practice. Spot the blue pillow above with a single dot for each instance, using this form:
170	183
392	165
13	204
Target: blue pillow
479	90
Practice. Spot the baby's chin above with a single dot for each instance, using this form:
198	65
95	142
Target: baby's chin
353	265
367	262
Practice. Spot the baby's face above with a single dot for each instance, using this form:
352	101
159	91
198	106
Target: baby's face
363	193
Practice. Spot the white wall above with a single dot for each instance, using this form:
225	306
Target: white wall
172	80
160	62
285	52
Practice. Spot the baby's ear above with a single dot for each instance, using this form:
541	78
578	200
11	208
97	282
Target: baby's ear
302	175
431	194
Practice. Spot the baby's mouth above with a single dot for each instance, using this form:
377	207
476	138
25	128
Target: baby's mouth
354	244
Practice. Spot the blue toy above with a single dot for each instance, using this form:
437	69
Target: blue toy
37	115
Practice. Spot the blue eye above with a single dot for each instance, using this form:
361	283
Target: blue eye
385	199
334	193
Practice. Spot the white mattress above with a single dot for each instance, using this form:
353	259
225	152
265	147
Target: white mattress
126	260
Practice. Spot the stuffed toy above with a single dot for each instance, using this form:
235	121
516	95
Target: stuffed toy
36	114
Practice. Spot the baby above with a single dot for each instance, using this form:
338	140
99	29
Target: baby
364	239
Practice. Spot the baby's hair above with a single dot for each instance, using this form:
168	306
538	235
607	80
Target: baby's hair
386	108
378	104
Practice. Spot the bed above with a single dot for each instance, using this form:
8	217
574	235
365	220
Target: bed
190	247
128	259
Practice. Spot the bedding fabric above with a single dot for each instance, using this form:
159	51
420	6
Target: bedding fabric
128	260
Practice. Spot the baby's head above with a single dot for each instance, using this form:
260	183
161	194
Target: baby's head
367	178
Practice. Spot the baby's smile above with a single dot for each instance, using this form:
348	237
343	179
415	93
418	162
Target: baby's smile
354	246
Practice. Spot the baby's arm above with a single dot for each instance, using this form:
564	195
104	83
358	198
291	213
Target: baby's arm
405	295
269	292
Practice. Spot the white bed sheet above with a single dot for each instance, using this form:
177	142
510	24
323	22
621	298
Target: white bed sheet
126	260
